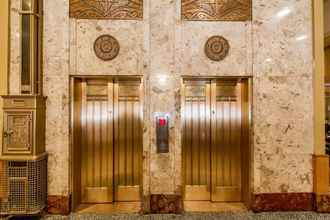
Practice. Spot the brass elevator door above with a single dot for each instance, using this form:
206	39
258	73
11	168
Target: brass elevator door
197	140
111	140
211	140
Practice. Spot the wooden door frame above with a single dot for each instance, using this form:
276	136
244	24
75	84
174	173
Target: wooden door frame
248	197
71	123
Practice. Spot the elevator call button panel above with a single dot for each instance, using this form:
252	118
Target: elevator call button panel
162	132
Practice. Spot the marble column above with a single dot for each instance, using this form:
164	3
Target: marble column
164	86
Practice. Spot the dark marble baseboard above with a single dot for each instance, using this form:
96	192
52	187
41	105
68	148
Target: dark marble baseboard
166	204
173	204
269	202
322	203
58	205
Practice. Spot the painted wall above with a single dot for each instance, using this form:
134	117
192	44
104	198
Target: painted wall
275	48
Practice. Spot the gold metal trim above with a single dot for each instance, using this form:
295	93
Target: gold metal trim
319	70
36	57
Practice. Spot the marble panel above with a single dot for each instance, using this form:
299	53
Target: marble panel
163	86
130	37
56	88
272	202
283	122
58	205
194	60
166	204
322	203
282	36
15	48
283	173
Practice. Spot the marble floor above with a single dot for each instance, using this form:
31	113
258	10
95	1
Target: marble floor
195	216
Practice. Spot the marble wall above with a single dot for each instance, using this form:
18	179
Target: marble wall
275	48
14	50
283	96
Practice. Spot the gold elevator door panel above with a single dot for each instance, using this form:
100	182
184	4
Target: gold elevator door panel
128	141
211	140
196	140
226	145
111	142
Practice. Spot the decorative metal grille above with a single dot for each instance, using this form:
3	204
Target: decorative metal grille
23	186
217	10
106	9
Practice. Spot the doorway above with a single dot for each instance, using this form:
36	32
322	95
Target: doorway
107	140
216	139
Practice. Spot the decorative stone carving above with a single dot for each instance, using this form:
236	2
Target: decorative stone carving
106	47
217	10
106	9
217	48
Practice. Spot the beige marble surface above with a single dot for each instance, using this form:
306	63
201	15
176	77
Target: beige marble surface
275	48
130	37
163	85
283	96
194	61
56	88
15	48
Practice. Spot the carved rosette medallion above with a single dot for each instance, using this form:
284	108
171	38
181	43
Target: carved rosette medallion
106	47
217	48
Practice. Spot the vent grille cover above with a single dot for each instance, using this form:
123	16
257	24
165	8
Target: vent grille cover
23	186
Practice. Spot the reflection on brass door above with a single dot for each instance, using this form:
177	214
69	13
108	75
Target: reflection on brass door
212	140
111	141
128	141
196	140
226	145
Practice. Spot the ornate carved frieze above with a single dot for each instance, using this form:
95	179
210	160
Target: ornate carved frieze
106	47
106	9
217	48
217	10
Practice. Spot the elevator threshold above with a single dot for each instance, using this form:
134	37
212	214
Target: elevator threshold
208	206
110	208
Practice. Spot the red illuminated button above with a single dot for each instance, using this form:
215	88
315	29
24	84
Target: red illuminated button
162	121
